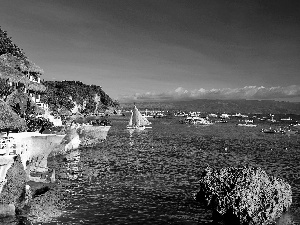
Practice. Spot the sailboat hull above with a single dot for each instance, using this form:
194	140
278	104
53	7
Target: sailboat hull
137	128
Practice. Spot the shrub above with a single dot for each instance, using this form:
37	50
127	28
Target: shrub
38	123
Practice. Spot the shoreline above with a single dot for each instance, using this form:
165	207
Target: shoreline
36	177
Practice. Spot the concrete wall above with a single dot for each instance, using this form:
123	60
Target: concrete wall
33	148
96	132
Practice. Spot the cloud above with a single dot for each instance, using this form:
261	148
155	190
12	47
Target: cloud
247	92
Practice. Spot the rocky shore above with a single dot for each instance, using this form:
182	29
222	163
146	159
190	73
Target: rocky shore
32	190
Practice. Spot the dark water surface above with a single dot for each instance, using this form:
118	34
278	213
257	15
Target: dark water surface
149	177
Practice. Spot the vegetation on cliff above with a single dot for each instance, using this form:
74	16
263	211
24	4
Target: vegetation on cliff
18	72
61	95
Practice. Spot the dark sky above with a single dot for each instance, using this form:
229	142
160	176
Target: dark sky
158	48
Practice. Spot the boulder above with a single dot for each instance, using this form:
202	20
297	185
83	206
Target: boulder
244	195
13	192
47	202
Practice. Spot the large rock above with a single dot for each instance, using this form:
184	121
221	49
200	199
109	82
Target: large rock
13	192
71	140
47	202
244	195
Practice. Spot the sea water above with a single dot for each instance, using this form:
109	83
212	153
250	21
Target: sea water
151	176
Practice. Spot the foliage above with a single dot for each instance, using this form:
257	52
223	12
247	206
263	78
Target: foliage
9	120
21	103
99	122
9	70
15	56
65	93
36	123
5	89
7	46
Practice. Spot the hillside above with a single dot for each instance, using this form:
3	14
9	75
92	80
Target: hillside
16	68
223	106
65	95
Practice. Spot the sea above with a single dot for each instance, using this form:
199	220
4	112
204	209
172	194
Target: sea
152	176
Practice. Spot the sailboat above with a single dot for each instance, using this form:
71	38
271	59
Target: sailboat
137	121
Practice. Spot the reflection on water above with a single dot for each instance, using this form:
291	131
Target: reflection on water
149	177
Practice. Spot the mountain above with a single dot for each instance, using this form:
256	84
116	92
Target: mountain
223	106
68	95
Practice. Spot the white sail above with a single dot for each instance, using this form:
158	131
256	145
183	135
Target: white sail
137	119
130	120
145	121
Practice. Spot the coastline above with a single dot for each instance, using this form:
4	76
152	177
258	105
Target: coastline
37	184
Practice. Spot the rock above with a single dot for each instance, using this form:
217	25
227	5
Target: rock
71	140
244	195
7	210
14	189
47	202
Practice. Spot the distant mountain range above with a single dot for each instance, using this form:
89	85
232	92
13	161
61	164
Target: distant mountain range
223	106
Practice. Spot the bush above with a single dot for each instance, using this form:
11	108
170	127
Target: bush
38	123
99	122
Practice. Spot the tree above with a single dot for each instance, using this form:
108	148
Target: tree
7	46
21	103
5	89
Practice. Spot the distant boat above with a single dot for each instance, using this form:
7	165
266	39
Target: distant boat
137	121
221	121
159	115
291	132
286	119
268	131
197	120
246	125
146	115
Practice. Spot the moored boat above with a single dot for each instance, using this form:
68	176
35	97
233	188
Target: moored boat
137	121
246	125
268	131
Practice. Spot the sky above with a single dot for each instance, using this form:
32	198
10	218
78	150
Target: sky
140	50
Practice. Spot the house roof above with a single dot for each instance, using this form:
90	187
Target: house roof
8	65
38	87
24	65
11	74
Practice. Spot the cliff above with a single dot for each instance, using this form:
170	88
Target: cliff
67	95
16	69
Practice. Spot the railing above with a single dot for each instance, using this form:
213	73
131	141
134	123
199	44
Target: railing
8	146
42	105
